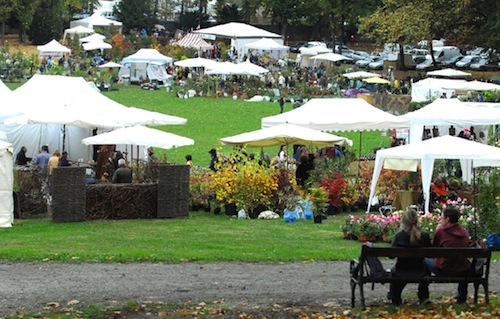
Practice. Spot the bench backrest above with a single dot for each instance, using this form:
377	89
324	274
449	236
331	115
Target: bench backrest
422	252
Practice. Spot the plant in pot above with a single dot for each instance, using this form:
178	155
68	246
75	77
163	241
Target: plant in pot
318	196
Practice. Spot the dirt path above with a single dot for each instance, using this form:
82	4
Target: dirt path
30	286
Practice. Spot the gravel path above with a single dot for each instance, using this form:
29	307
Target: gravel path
30	286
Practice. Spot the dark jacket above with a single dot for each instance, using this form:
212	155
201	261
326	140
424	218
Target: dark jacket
122	175
21	158
452	235
414	265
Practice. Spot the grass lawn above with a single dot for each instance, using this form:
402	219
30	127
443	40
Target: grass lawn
201	237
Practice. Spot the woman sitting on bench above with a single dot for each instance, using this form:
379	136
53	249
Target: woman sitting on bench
410	235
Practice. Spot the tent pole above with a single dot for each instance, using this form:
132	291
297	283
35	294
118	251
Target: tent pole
64	138
475	187
137	160
359	153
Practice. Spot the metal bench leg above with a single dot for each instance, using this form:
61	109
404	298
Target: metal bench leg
362	295
353	293
476	291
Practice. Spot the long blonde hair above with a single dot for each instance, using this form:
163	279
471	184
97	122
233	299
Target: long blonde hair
409	223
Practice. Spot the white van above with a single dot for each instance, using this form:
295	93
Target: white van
445	53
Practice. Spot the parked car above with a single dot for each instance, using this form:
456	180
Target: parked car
483	65
467	60
448	63
427	65
296	48
364	63
376	65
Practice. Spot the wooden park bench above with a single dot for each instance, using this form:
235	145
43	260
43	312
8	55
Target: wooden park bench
362	273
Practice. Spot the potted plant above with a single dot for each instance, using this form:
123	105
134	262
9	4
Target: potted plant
318	196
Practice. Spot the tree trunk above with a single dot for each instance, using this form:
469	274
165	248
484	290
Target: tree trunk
402	57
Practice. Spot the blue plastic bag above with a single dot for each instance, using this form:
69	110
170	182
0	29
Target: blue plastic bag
493	241
307	207
289	216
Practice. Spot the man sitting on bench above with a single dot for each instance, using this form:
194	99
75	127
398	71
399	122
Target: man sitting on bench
450	234
410	235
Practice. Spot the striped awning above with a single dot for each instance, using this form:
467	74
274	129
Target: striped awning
192	40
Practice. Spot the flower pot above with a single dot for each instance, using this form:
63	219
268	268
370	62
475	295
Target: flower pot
230	209
346	234
362	238
318	219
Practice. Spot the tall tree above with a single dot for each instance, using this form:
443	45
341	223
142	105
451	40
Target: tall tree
135	15
399	22
48	21
6	8
24	12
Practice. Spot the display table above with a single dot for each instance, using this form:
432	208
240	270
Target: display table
404	199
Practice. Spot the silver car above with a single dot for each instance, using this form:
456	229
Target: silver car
467	60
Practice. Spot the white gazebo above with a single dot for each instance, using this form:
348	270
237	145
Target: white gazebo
53	49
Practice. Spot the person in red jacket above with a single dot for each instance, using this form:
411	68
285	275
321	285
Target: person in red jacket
450	234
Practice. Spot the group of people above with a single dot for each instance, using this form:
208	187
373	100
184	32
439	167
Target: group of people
448	234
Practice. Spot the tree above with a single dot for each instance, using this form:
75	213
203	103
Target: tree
399	22
135	15
6	8
48	21
24	12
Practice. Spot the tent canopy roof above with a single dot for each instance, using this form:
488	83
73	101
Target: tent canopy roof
139	135
285	134
147	56
266	44
449	73
53	46
342	114
237	30
330	56
360	74
193	40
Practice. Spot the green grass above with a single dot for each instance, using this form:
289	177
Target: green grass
201	237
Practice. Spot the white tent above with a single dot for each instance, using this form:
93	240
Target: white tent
93	37
196	63
6	185
448	73
110	65
4	90
360	75
285	134
96	45
79	29
145	64
273	48
446	112
330	56
342	114
77	106
95	20
239	33
139	135
53	49
407	157
228	68
427	89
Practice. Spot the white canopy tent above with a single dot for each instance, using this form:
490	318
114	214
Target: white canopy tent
446	112
96	45
331	57
427	89
79	29
139	135
265	45
77	106
342	114
228	68
239	33
93	37
53	49
196	63
95	20
407	157
6	185
110	64
285	134
145	64
360	75
448	73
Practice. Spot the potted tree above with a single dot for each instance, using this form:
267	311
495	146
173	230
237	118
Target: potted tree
319	198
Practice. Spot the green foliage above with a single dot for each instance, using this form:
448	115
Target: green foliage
49	21
489	201
135	15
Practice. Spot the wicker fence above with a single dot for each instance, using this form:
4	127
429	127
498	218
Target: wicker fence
73	200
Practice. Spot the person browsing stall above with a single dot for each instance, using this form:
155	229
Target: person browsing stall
123	174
